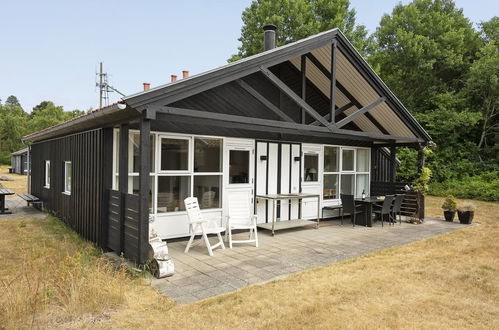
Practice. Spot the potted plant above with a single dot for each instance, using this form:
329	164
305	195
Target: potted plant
466	212
449	206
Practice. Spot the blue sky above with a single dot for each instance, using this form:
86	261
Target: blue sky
51	49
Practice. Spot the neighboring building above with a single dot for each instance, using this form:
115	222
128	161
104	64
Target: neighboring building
311	116
19	161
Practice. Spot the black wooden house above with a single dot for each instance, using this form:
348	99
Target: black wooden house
311	116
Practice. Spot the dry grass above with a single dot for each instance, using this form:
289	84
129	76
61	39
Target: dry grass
18	185
51	278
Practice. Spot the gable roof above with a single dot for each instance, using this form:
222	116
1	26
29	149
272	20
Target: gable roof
361	80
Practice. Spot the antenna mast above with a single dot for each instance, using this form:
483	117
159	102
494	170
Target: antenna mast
104	87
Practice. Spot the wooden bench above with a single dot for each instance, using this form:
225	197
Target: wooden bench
30	199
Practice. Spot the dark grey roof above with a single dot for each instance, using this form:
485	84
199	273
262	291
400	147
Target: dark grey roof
19	152
175	91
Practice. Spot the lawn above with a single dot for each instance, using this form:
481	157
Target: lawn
52	279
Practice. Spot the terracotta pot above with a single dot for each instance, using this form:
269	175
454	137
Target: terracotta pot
465	217
449	215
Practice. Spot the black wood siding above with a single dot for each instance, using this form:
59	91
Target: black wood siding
380	160
90	153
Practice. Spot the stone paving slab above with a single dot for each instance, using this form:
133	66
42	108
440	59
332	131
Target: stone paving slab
19	209
199	276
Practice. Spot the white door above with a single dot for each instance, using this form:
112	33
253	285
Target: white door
311	178
239	163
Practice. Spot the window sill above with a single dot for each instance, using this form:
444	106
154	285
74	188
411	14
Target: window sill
46	187
66	193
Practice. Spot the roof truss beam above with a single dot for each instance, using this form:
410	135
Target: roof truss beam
360	112
295	98
250	123
336	112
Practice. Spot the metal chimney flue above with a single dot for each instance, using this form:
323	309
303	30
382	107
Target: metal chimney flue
269	31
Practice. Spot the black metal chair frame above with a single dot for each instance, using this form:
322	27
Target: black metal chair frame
386	209
397	207
347	206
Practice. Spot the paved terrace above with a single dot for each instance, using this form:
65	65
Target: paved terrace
198	276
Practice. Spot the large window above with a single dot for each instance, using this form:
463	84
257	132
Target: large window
189	167
311	167
67	177
346	171
181	167
46	184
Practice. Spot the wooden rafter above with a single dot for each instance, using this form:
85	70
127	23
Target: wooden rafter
359	112
336	112
250	123
295	98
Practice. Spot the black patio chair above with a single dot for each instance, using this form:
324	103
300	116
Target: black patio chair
349	207
397	207
386	209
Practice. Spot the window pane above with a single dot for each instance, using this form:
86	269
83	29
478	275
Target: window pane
347	184
174	154
207	190
207	155
133	188
134	158
331	159
348	156
311	167
239	166
67	181
362	160
362	184
172	190
330	186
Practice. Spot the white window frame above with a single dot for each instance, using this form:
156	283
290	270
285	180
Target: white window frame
189	173
46	183
338	172
341	171
66	191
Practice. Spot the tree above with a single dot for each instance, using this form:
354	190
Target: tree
423	49
12	101
12	127
50	115
482	90
295	20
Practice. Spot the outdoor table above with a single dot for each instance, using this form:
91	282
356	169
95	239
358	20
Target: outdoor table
285	224
3	193
368	207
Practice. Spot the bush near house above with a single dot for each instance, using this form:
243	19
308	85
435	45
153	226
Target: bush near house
483	187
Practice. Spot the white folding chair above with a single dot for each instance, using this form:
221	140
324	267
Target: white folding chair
240	217
199	226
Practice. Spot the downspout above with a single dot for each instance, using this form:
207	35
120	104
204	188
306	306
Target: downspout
28	161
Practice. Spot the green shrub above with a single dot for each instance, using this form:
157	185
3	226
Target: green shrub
450	203
483	187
